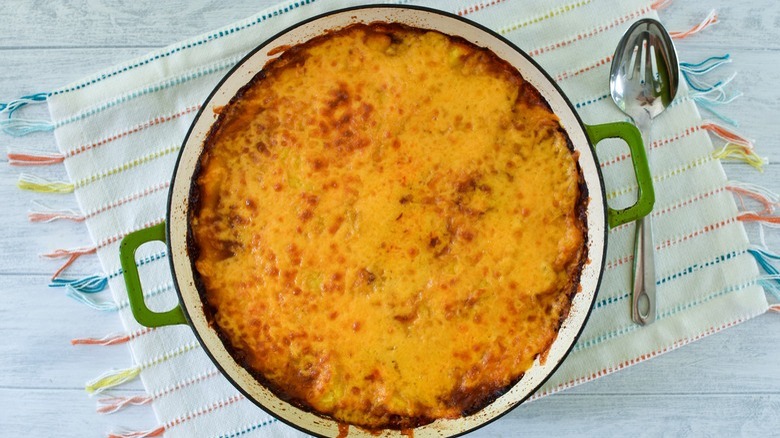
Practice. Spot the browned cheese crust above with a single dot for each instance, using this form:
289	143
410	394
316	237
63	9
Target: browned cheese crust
388	226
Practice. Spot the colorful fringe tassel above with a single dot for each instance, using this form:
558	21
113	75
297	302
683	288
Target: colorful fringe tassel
737	148
21	127
113	404
705	94
757	193
712	18
735	152
139	434
113	339
112	379
37	184
45	213
692	74
86	285
86	299
110	305
772	281
705	66
728	135
704	103
660	4
109	405
14	105
30	159
115	378
71	254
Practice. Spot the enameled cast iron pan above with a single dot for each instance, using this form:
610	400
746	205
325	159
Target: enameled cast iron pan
583	138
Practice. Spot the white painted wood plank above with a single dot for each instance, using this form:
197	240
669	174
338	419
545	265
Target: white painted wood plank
22	242
116	23
150	23
63	413
37	324
754	25
725	415
739	360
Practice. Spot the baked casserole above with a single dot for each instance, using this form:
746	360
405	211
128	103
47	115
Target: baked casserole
387	226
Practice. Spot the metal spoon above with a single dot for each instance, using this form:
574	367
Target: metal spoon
643	81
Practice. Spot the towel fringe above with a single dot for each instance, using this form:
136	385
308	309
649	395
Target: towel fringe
705	66
112	339
764	196
712	18
21	127
89	301
726	134
12	106
138	434
109	405
48	214
721	97
699	84
757	193
35	183
87	285
704	103
768	282
31	159
753	217
71	254
660	4
771	282
735	152
111	379
775	308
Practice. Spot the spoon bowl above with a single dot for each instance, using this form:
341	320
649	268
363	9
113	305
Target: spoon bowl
644	77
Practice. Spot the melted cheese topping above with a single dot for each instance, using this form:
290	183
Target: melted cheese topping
388	228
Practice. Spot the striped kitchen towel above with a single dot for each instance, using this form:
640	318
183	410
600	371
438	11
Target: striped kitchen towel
119	132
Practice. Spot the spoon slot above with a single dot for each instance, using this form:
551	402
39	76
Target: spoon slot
643	62
632	63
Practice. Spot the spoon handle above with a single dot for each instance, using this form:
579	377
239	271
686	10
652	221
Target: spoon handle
643	309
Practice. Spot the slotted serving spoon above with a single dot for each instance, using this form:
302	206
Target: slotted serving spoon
643	82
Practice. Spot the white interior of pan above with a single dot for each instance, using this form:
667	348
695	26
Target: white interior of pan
419	18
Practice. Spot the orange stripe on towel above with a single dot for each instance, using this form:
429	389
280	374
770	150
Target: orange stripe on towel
140	127
581	36
636	360
481	5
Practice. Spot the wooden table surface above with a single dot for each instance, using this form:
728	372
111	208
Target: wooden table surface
724	385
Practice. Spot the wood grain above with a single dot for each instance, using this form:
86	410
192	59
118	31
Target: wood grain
723	385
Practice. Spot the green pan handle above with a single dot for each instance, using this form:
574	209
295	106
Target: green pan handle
632	137
135	295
